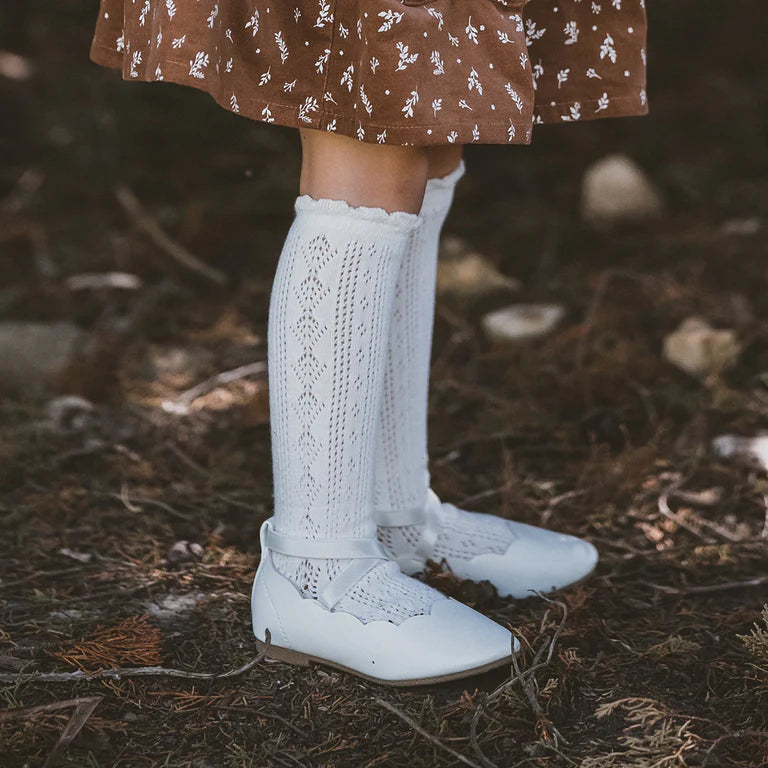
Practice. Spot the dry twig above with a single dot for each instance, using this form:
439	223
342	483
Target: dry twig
185	399
122	673
523	677
426	734
83	710
705	588
131	205
735	735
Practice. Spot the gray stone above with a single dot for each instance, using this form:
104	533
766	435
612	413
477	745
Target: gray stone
700	350
615	189
519	322
33	356
747	451
184	552
14	67
465	274
170	607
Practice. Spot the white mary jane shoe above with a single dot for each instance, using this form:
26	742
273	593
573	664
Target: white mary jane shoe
536	560
451	642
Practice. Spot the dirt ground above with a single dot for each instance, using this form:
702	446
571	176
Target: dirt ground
129	527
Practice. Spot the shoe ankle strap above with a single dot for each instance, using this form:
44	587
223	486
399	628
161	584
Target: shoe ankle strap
363	555
427	516
396	518
339	549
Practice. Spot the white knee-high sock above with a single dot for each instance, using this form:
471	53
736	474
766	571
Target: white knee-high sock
329	321
401	477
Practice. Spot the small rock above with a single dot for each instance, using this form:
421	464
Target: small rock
68	615
327	678
81	557
465	274
700	350
35	355
522	321
170	606
184	552
615	189
14	67
747	451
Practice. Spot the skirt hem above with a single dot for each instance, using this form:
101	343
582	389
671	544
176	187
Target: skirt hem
465	132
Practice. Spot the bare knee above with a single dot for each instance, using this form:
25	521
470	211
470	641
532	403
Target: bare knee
373	175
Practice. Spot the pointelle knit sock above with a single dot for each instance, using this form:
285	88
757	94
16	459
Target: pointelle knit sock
329	320
401	475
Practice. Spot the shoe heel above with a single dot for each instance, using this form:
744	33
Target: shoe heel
284	654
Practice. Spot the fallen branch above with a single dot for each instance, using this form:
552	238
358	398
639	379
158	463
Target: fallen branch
548	646
125	672
666	511
705	588
185	399
426	734
131	205
83	710
523	677
476	715
131	501
25	712
39	574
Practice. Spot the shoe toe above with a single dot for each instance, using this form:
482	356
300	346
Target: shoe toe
472	635
452	639
538	560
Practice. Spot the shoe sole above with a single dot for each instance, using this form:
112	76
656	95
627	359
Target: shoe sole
300	659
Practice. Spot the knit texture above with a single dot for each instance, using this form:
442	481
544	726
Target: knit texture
463	536
329	321
401	478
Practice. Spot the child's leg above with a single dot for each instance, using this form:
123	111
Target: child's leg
401	478
372	175
328	326
414	525
325	588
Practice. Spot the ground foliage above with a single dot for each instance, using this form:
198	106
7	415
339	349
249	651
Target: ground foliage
661	659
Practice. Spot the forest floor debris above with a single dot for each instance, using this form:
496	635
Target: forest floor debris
112	655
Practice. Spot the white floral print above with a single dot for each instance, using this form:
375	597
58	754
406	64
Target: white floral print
391	71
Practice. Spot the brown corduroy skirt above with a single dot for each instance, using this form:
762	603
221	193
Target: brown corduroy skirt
420	72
